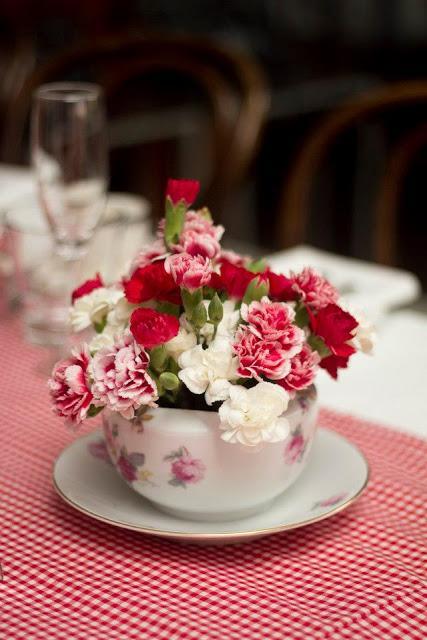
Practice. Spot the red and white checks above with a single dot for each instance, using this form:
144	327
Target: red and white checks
358	575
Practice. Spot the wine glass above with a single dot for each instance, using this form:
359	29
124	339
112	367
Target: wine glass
69	157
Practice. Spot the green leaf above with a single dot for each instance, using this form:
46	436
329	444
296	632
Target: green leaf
93	411
190	299
137	459
197	296
176	482
169	308
208	293
187	301
317	344
301	317
173	455
258	266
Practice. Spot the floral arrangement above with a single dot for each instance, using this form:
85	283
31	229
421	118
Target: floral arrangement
195	326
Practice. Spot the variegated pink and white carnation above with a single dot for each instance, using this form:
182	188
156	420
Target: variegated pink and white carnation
194	325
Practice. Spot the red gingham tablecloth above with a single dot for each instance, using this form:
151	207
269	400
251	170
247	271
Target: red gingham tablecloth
360	574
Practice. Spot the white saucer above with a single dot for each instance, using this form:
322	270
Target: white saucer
335	476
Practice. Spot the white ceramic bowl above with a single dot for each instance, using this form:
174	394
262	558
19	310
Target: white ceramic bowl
176	459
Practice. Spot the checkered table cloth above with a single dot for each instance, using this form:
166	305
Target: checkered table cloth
360	574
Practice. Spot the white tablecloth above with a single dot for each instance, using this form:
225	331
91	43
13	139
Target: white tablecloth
390	386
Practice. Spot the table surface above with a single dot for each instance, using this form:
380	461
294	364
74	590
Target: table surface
357	576
360	575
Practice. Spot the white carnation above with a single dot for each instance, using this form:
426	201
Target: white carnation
119	316
364	335
101	340
183	341
209	370
252	416
93	307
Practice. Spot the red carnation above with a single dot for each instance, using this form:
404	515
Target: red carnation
334	326
281	287
87	287
233	279
182	190
151	328
333	363
152	282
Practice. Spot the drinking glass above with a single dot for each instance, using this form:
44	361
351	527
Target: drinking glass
69	157
33	284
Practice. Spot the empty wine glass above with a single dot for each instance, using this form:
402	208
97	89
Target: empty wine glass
69	157
69	154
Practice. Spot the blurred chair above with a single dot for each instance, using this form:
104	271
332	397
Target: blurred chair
295	199
16	63
231	83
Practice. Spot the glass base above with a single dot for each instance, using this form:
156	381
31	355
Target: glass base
46	336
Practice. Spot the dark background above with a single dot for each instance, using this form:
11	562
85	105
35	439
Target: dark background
315	54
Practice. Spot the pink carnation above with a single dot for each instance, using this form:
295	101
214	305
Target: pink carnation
303	370
235	258
273	321
189	271
188	469
121	381
148	255
199	236
314	289
69	386
259	357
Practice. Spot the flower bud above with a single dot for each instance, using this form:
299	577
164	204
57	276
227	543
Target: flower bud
256	290
199	316
215	309
258	266
158	357
169	381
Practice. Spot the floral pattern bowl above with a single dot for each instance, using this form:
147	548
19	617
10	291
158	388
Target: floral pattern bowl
177	460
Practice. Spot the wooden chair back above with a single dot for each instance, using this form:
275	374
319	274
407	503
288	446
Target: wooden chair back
231	82
295	199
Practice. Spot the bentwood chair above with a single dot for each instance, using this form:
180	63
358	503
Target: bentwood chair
294	209
139	75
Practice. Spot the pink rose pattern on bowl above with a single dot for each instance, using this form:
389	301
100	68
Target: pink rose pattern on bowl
184	468
295	448
98	449
129	465
330	502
